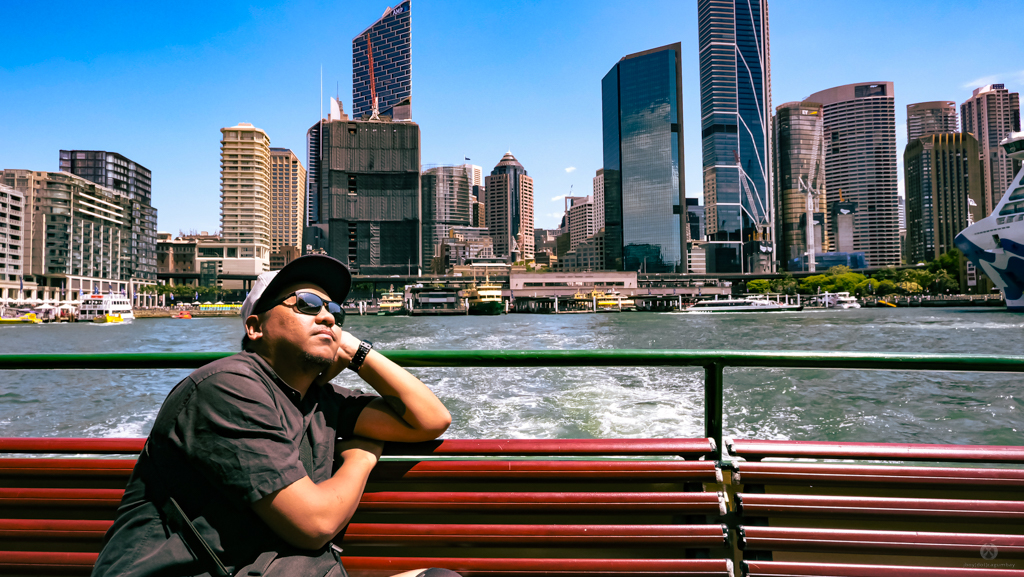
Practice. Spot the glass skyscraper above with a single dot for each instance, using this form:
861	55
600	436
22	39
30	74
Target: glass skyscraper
736	106
644	211
391	40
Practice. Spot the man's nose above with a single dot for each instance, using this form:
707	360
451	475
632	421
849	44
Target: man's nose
324	317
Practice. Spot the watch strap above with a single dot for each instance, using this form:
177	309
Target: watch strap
360	356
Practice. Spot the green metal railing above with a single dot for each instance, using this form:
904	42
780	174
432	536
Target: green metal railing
713	363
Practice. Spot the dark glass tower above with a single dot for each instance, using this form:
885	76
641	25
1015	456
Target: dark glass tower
391	39
735	101
644	212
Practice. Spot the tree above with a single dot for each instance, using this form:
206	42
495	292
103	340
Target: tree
810	285
838	270
886	287
887	273
759	285
786	284
909	288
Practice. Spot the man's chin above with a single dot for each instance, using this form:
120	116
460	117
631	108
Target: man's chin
317	360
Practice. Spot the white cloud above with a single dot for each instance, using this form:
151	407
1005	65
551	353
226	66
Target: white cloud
570	169
559	197
1013	77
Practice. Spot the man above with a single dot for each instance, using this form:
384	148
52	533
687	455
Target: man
236	476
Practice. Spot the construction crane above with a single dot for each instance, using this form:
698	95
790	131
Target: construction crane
760	220
374	112
812	200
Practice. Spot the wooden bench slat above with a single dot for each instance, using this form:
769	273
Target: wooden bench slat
756	449
891	542
764	505
537	535
708	503
788	569
46	563
67	467
659	471
804	474
505	567
49	530
60	498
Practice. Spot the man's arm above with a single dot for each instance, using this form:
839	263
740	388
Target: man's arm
407	410
309	515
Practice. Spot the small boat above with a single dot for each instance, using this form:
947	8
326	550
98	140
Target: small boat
613	302
25	319
108	318
751	304
392	303
182	315
485	299
844	301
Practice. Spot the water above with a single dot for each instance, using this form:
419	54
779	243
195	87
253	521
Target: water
885	406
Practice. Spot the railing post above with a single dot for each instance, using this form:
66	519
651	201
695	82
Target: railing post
713	405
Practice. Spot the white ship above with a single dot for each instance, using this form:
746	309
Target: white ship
750	304
995	244
101	306
841	301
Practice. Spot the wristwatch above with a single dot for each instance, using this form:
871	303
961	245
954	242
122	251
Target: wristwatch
360	356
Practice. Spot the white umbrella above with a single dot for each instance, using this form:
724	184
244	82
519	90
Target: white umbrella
207	303
47	306
218	303
68	306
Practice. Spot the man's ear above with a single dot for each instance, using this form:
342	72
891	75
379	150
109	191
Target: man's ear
253	328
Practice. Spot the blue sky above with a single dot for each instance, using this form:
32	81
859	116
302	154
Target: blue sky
157	81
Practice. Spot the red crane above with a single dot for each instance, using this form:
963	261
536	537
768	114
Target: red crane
373	83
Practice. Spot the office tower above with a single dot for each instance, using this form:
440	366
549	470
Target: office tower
799	183
903	225
75	235
314	141
508	197
642	103
944	190
287	199
598	194
736	107
245	201
479	209
390	39
924	118
370	196
446	204
990	114
694	220
860	168
118	172
474	174
579	212
13	237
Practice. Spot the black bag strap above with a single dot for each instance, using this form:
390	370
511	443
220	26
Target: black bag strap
200	548
260	565
306	454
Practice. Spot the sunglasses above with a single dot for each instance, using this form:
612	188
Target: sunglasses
310	304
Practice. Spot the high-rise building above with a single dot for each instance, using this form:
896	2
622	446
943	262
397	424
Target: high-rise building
944	190
579	213
694	220
245	199
118	172
479	209
314	144
446	203
598	194
644	191
474	174
75	235
990	114
924	118
370	196
508	197
287	199
799	170
390	39
860	168
736	107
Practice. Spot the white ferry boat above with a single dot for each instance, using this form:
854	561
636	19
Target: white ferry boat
751	304
101	306
842	301
995	244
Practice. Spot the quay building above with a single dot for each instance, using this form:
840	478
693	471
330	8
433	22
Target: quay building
63	236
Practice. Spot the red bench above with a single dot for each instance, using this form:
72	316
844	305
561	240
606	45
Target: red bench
572	507
857	519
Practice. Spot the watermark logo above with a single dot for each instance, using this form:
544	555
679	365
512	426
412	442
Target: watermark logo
989	551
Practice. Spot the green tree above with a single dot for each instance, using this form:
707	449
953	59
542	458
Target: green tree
785	285
887	273
846	282
886	287
810	285
909	288
838	270
759	285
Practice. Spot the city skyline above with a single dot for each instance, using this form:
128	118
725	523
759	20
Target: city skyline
179	97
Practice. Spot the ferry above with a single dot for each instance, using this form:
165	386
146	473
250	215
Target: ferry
485	299
613	302
750	304
842	301
995	244
94	306
392	303
108	318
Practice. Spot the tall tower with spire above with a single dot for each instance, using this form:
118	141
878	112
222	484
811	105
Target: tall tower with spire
508	197
382	65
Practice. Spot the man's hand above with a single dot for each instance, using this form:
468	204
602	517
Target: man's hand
348	348
356	448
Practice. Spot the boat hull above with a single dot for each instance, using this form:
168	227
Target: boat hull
486	308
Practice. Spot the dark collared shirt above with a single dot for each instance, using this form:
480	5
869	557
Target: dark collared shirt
225	437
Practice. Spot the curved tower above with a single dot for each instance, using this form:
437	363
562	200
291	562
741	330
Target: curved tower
509	200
